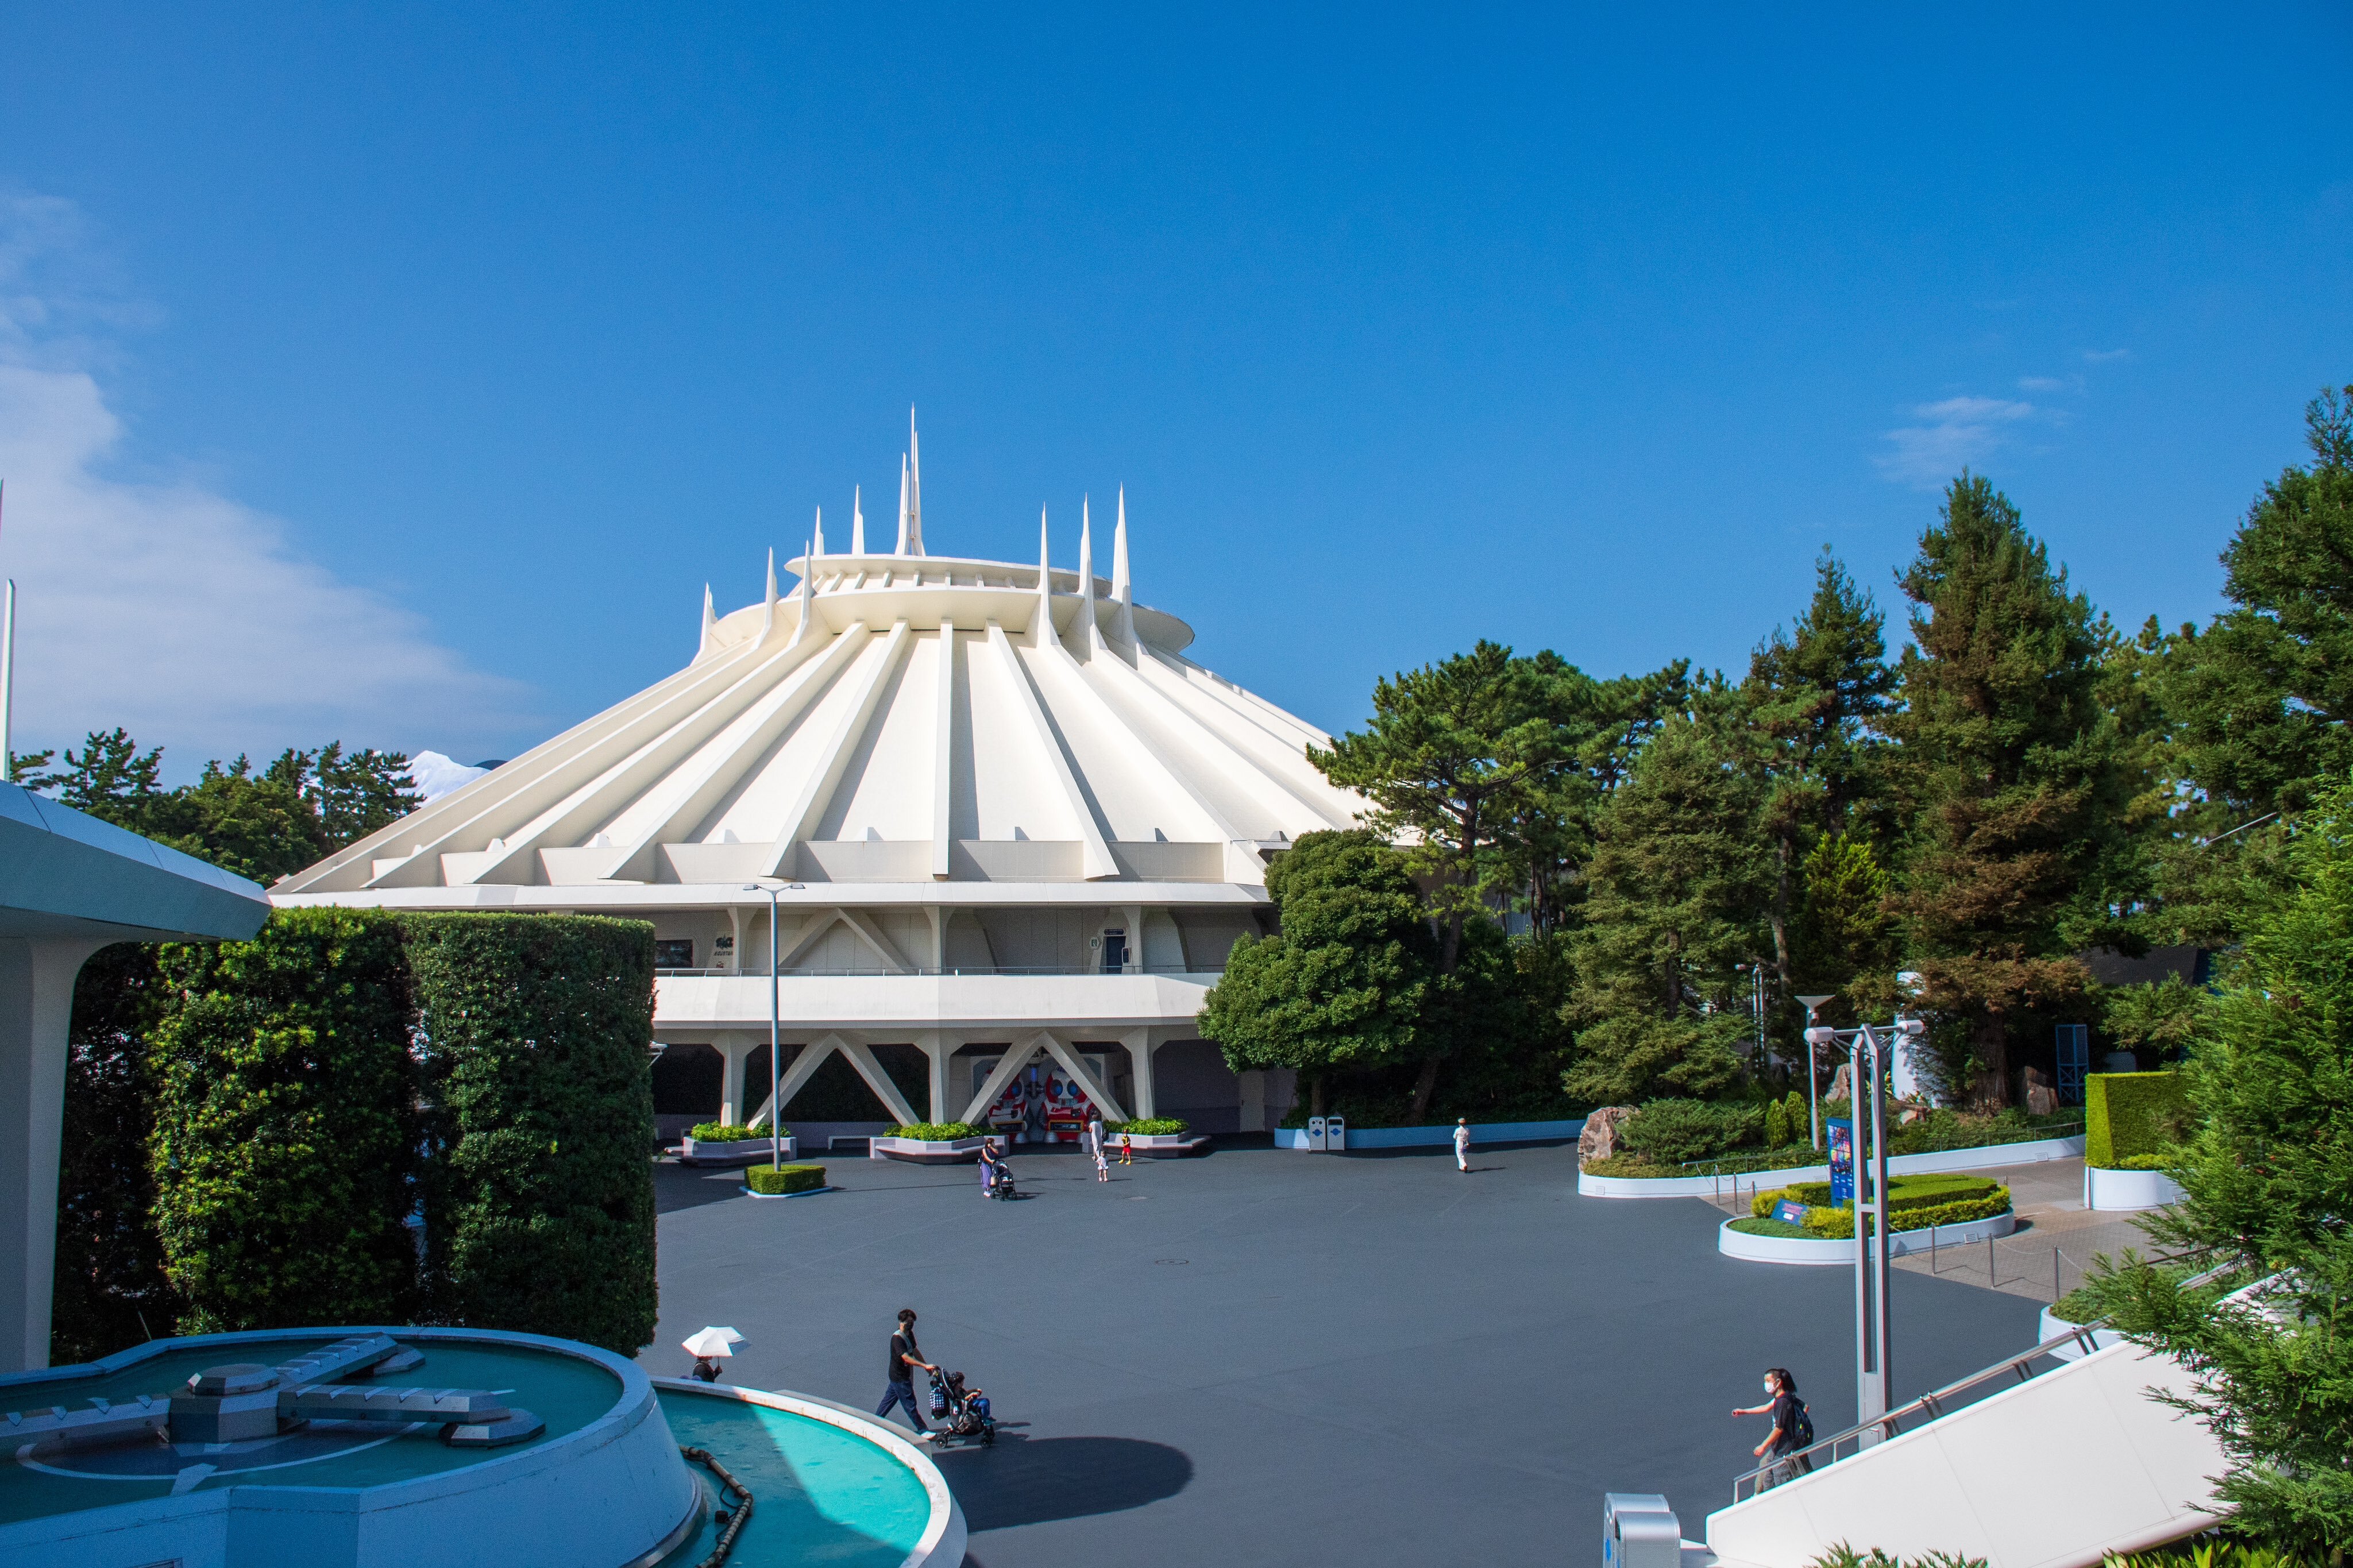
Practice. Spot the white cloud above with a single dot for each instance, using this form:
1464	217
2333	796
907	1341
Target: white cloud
168	607
1951	436
2050	384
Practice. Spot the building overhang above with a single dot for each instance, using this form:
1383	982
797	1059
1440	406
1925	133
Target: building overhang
65	874
641	899
684	1004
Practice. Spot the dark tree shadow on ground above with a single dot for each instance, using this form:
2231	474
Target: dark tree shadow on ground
1030	1481
680	1188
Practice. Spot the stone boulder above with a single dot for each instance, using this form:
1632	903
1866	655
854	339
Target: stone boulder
1600	1138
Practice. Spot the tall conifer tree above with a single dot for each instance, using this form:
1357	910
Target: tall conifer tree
2010	762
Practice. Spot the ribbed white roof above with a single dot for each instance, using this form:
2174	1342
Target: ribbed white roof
897	718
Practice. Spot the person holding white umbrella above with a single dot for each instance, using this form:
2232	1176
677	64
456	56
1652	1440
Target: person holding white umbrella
706	1348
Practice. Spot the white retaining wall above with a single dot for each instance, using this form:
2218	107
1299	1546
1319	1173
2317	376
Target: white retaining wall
1987	1158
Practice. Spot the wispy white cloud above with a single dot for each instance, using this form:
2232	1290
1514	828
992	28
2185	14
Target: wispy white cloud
2050	384
2105	356
166	605
1948	437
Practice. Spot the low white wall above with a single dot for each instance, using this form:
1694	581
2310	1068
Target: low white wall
2128	1191
1988	1158
1752	1248
1440	1136
2050	1328
2051	1474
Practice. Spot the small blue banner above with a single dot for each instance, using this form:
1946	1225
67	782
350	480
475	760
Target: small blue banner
1839	1132
1789	1213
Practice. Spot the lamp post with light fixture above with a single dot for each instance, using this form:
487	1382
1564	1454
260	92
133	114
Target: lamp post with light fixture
1813	1104
776	1032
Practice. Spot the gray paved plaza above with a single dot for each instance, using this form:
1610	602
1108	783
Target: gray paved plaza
1284	1358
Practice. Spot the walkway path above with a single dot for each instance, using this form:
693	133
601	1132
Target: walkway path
1265	1357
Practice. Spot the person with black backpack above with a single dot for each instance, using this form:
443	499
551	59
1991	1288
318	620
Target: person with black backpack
1793	1430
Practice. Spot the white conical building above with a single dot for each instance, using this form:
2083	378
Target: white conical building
1001	841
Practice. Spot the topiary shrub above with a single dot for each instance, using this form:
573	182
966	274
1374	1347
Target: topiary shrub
2132	1114
1672	1130
1777	1124
774	1180
286	1128
540	1202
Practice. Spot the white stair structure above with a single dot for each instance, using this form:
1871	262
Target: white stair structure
2054	1472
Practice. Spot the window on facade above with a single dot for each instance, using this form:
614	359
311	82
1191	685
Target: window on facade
678	954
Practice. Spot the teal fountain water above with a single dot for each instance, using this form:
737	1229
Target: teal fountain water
418	1447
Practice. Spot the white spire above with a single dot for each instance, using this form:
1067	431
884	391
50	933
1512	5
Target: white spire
914	487
768	616
857	525
819	547
1041	626
901	548
710	623
800	627
1089	637
1122	590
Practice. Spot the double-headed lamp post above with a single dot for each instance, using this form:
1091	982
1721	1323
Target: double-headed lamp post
1872	1049
1813	1102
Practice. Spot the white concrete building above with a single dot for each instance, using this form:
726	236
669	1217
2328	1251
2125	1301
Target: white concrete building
1015	828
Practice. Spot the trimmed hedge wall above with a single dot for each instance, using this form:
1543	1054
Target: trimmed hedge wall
1838	1224
2131	1115
1904	1192
774	1179
538	1032
286	1132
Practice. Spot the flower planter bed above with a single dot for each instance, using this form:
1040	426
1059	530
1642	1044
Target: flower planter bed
1755	1249
2127	1191
926	1152
1984	1156
732	1151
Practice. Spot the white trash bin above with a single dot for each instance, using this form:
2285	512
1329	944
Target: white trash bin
1315	1133
1639	1531
1336	1133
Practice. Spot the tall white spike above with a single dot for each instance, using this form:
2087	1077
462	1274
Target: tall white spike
1041	625
1090	637
901	548
801	627
768	615
817	548
1123	589
914	487
857	523
710	623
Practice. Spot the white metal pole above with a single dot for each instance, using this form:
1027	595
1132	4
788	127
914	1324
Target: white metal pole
8	682
775	1048
1866	1407
1883	1073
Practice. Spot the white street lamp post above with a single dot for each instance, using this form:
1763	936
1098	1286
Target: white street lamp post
1871	1049
1813	1105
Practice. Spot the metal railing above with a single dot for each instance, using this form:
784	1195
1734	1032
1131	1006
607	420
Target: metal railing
878	971
1939	1401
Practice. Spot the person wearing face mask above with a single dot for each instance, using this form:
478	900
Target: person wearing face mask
1793	1429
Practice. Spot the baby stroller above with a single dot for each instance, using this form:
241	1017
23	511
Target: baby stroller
997	1181
963	1417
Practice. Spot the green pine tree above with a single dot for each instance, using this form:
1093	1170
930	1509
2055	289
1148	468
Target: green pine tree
2010	765
1681	880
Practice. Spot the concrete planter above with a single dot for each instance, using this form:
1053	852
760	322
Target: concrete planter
1441	1137
926	1152
2051	1327
1157	1145
1984	1158
733	1151
1836	1254
2128	1191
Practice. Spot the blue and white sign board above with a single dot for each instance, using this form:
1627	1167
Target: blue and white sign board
1840	1133
1789	1213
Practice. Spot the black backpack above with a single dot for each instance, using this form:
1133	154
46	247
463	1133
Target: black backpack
1801	1427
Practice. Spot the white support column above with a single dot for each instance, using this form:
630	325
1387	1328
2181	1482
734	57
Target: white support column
37	982
939	1050
1075	1065
734	1095
812	1057
1134	913
735	930
862	1058
1140	1045
1017	1056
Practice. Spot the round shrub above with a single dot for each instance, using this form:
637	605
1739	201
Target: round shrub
1671	1131
775	1180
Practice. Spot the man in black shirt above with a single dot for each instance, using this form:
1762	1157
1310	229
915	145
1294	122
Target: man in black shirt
1781	1402
905	1357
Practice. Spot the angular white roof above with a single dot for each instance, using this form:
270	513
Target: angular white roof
896	718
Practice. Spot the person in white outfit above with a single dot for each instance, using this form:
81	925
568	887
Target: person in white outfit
1095	1147
1462	1144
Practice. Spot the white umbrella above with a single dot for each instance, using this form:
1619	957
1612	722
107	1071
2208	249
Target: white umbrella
713	1342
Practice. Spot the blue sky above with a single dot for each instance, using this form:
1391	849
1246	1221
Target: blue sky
402	374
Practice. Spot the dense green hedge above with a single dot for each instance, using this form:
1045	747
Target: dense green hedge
937	1131
285	1136
2131	1115
775	1179
723	1132
538	1032
1151	1127
1904	1192
1671	1131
